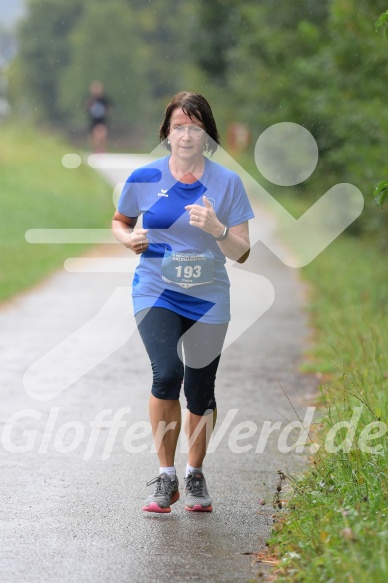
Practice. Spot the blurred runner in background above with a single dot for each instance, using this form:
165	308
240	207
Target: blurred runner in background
98	107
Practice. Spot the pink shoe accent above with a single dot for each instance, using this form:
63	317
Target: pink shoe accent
199	508
153	507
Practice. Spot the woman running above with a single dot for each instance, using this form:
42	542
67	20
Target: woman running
195	214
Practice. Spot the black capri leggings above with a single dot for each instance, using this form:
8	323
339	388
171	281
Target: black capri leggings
161	331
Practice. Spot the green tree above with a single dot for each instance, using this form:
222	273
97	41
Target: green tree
105	44
140	51
44	54
318	64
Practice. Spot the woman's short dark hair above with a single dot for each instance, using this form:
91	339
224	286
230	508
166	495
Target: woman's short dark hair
195	106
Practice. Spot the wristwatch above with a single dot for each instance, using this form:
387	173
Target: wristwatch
224	234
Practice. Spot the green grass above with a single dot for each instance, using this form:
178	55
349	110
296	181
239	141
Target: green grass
36	191
336	526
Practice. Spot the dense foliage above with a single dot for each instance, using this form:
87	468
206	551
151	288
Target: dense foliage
320	64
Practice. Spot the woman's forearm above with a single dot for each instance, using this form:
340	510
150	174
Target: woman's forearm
235	247
121	231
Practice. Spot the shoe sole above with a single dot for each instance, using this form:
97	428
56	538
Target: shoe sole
199	508
153	507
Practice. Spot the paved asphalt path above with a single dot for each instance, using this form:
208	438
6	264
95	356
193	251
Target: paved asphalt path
71	494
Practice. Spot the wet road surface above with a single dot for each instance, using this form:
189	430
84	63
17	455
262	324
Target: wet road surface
73	480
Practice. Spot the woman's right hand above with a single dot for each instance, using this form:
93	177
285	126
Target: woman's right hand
137	241
124	230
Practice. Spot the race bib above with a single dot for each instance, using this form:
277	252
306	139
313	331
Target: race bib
188	269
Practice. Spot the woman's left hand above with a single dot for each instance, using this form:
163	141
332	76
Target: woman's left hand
205	218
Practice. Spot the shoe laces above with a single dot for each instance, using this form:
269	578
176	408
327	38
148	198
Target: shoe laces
195	484
161	486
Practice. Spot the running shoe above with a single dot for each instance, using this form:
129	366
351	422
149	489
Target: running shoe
166	493
197	496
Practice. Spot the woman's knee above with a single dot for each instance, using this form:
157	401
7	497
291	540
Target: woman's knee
199	403
167	382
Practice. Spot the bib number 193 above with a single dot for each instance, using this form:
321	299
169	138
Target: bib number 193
188	271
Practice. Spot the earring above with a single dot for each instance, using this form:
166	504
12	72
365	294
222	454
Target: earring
205	146
168	141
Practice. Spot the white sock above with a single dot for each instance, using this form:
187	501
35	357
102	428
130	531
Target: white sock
191	470
171	471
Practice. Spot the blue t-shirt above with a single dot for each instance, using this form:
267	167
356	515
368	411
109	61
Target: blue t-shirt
153	192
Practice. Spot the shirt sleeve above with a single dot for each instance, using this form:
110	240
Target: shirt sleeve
240	208
135	189
128	203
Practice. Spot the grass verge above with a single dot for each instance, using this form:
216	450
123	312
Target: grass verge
37	191
336	526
